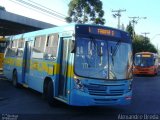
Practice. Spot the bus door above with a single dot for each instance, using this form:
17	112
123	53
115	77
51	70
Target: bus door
64	63
26	62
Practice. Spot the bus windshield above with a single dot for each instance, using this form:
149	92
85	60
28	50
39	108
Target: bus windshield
144	60
103	59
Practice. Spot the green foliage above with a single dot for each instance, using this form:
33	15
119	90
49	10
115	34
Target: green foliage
2	8
142	44
84	11
130	30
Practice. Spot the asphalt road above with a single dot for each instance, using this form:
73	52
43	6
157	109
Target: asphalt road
27	104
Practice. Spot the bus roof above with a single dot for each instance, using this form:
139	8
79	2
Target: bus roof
145	53
59	29
41	32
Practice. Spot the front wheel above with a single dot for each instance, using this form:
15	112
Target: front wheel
50	92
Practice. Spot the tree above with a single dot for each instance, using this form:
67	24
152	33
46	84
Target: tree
142	44
85	11
2	8
130	30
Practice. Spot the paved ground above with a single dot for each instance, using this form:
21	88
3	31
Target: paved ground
28	104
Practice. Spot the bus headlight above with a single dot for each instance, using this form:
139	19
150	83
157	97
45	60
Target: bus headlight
78	84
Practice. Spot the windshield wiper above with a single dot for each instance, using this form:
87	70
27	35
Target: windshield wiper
114	52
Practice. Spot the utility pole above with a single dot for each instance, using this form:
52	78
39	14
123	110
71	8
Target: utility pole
118	14
135	21
145	34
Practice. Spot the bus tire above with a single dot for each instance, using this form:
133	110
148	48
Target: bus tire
15	79
49	94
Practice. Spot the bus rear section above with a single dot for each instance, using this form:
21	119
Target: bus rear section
145	63
87	65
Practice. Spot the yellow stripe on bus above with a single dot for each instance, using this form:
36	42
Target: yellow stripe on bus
18	62
50	68
70	72
1	60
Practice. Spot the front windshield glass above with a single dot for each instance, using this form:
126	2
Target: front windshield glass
103	59
144	60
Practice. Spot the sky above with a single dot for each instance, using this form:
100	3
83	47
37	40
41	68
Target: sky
134	8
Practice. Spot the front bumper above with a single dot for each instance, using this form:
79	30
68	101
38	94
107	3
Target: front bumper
79	98
147	72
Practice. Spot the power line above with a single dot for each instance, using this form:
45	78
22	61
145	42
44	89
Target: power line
38	9
145	34
118	14
47	8
136	19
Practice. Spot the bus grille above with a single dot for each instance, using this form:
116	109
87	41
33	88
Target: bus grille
104	90
108	101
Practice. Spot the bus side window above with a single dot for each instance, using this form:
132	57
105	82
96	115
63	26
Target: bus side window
20	52
15	44
7	54
12	49
21	43
39	46
20	48
51	47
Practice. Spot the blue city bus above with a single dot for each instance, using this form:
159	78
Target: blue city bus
80	65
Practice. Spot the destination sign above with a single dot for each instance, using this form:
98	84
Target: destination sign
104	31
146	55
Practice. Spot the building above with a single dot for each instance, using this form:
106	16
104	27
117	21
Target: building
11	24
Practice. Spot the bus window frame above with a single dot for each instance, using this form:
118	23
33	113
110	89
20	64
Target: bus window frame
114	39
